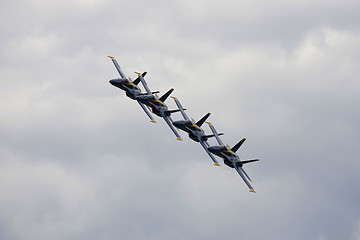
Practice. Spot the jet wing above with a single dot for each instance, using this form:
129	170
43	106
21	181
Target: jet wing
137	80
168	120
144	83
203	144
117	67
180	108
147	112
246	175
215	134
241	172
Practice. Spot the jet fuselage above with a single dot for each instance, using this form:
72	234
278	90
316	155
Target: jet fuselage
130	88
195	132
230	158
158	107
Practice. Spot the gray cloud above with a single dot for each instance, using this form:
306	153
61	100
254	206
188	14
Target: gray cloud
79	160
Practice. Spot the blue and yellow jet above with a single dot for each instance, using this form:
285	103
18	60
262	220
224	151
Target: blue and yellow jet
130	87
157	104
230	157
194	129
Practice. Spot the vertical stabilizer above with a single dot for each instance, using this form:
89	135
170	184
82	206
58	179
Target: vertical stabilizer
238	145
166	95
201	121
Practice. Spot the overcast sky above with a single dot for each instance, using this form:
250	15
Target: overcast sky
80	160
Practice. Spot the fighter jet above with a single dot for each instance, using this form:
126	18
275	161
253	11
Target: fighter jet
194	129
130	87
157	104
230	157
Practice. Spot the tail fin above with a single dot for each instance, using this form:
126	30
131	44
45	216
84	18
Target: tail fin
137	80
201	121
166	95
238	145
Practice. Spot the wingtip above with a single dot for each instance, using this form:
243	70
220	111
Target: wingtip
209	123
174	98
252	190
153	121
138	73
111	57
216	164
179	138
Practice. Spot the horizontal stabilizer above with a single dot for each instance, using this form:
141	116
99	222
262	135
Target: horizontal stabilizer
249	161
166	95
148	94
212	135
174	111
238	145
202	120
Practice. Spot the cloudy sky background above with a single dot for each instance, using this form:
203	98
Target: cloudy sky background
79	160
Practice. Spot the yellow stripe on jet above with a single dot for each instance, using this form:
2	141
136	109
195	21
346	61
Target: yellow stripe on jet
195	126
230	151
157	100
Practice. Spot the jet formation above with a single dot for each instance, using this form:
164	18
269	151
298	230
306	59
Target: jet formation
150	102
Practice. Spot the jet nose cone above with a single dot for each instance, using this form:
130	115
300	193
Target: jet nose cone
113	82
117	81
